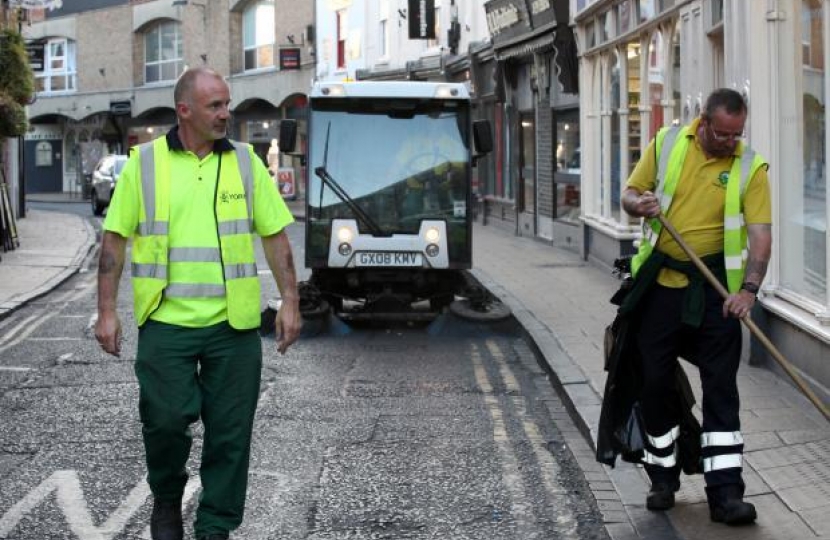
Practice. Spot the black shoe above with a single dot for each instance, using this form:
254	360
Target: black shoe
215	536
166	520
661	495
726	505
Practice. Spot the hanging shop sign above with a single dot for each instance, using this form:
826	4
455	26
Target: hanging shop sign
421	15
541	13
506	20
289	58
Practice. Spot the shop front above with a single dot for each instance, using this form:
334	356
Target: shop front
531	46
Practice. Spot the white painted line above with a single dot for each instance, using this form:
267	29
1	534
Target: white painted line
13	368
55	339
20	326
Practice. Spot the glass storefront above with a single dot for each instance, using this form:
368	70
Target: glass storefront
804	206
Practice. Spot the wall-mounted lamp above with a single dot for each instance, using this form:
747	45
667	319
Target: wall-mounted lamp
290	38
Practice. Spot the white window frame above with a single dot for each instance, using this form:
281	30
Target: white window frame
156	31
67	70
265	35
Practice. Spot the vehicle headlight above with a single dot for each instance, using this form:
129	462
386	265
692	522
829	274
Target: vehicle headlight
432	250
344	249
344	234
432	235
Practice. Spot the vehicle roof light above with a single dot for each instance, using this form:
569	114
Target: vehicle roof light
444	91
334	90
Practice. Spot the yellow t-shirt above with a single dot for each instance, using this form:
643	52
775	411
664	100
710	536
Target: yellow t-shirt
697	209
192	221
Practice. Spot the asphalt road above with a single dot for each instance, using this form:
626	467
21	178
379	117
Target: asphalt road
438	431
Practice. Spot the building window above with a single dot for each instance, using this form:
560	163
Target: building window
647	10
625	17
435	43
383	36
342	33
611	185
58	73
803	211
259	35
163	53
43	154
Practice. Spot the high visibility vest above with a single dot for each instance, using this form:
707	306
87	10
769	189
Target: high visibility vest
152	251
672	145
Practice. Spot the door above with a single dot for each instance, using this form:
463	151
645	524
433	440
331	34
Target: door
527	173
43	166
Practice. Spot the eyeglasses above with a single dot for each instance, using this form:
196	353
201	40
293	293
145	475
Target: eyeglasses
723	137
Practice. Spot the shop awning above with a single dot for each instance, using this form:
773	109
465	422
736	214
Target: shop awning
560	40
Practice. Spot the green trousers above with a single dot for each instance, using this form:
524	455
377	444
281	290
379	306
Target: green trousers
185	374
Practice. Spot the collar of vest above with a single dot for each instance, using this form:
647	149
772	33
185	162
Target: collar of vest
175	143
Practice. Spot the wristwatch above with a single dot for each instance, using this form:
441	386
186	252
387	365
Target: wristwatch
750	287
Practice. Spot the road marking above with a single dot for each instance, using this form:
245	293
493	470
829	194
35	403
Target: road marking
55	339
71	501
15	329
13	368
520	505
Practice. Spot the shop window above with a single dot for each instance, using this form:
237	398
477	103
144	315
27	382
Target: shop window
663	5
633	55
675	75
656	83
259	35
647	10
163	53
59	73
528	162
568	164
804	208
625	16
611	185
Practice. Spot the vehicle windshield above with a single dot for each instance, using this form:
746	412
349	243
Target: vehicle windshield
399	160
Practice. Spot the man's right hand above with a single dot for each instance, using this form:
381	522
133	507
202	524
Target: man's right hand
108	332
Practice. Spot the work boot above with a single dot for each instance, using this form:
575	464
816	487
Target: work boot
661	495
726	505
166	520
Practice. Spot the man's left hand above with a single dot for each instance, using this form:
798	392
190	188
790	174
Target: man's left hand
738	305
288	324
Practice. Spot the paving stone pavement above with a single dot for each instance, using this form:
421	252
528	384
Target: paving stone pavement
562	302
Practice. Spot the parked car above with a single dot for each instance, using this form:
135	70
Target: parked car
104	178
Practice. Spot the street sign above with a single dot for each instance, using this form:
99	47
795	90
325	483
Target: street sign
36	4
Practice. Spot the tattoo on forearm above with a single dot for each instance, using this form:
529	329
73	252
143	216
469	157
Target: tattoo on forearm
755	271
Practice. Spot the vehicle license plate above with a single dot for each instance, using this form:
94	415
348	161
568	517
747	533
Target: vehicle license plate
388	258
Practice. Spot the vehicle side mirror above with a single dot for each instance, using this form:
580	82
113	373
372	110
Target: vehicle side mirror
482	137
288	136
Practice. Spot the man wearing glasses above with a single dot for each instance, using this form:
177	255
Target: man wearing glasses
714	189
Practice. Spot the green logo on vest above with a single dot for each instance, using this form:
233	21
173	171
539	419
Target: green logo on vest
226	197
723	178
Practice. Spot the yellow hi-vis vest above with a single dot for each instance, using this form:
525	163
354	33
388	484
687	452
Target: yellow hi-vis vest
671	147
151	250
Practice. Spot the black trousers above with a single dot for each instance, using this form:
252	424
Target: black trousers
715	349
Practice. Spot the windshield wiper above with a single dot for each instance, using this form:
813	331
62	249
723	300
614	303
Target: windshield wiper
338	190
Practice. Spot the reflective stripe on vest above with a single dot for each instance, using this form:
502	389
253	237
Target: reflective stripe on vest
152	252
672	144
